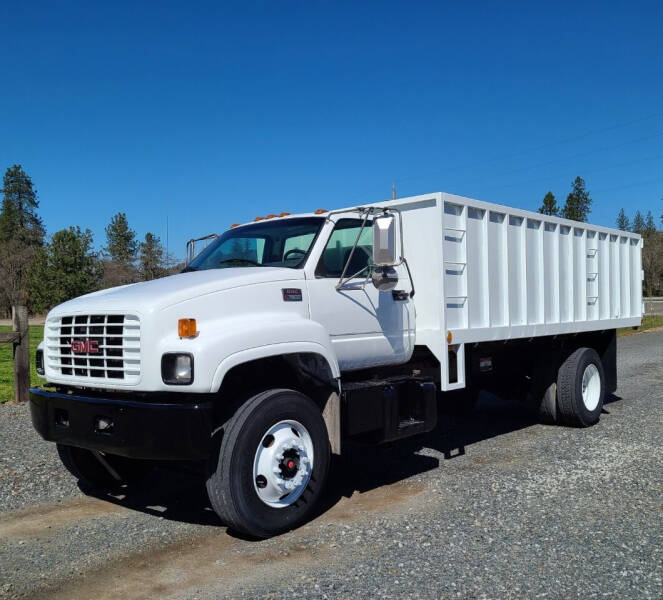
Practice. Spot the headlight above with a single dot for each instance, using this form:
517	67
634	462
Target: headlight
39	362
177	369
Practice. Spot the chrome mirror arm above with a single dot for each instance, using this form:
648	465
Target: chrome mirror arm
341	281
370	211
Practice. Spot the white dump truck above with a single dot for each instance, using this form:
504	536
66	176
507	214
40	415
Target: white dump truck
291	336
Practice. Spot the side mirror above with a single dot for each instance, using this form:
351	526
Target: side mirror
384	241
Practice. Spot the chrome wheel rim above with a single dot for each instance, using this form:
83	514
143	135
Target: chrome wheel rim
591	387
283	463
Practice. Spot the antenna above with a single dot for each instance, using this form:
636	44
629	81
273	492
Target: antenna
393	190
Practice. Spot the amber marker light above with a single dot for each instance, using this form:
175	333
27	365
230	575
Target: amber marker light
234	225
449	337
284	214
259	219
270	216
320	211
186	328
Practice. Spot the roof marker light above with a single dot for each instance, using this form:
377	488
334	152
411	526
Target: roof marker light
284	214
319	211
234	225
259	219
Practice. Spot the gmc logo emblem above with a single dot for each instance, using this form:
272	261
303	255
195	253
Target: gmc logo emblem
87	347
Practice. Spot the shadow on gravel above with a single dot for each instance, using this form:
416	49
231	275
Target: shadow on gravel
170	493
180	495
609	399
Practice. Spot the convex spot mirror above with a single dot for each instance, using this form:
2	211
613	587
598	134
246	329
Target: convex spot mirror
384	279
384	241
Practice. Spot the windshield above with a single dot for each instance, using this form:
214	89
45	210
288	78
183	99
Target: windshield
282	243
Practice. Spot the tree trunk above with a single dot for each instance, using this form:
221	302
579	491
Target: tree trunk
21	354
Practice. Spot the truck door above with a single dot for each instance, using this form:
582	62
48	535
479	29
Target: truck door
367	327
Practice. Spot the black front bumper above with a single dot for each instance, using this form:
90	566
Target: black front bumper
140	428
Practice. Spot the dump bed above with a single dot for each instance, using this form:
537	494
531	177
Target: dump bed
489	272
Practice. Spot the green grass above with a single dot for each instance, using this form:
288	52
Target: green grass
7	363
648	322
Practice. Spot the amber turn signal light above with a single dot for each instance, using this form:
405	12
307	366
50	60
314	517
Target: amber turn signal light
186	328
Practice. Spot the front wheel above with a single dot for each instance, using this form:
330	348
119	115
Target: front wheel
271	464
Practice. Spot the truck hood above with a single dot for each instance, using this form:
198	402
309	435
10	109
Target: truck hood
158	294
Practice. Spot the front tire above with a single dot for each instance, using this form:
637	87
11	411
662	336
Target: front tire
271	464
581	388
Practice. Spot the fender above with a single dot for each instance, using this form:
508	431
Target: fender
264	339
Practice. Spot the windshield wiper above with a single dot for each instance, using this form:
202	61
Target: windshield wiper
239	260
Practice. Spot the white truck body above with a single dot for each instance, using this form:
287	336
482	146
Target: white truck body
487	272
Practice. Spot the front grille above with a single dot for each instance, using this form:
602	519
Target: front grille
94	347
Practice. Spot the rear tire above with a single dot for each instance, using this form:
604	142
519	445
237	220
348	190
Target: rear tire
542	397
581	388
102	471
271	464
547	412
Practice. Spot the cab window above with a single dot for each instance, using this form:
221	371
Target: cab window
277	243
339	247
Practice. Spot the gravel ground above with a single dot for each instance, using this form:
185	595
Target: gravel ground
494	506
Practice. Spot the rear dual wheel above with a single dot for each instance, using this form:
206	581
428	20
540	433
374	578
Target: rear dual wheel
573	395
271	463
581	388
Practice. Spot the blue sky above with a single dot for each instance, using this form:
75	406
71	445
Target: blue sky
215	113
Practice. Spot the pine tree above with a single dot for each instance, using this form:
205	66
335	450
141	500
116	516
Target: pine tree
650	226
578	202
151	258
638	223
19	220
121	244
121	248
21	236
622	221
549	206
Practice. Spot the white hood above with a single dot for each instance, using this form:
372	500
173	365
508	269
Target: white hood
160	293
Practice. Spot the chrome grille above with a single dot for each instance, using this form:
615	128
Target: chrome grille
93	347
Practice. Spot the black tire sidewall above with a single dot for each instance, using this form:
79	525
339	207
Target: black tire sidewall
586	416
259	517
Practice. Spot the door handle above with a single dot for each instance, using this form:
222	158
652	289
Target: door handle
400	295
351	285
